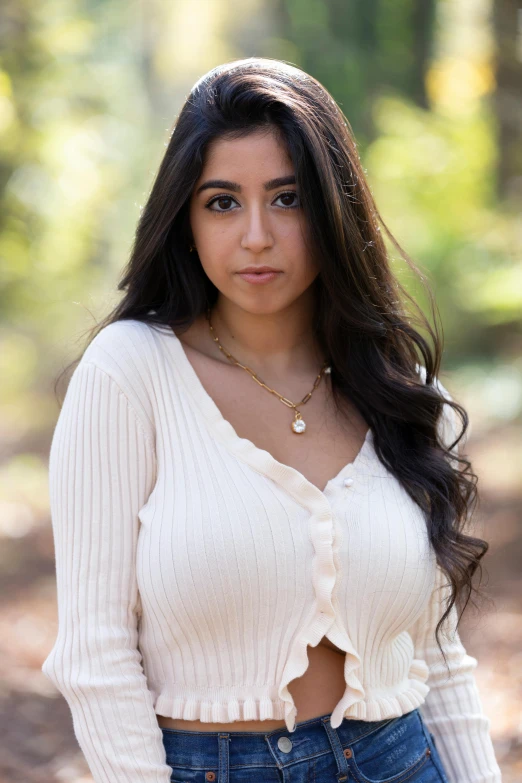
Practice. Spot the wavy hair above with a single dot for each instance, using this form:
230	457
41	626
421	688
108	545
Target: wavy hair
374	343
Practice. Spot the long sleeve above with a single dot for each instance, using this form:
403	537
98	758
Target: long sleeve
101	472
453	711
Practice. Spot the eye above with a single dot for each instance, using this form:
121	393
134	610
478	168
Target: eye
220	199
289	194
224	202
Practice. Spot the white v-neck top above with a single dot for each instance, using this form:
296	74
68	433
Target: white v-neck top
194	569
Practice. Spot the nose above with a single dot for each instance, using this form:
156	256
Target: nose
257	235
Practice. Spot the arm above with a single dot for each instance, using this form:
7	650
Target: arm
101	472
453	711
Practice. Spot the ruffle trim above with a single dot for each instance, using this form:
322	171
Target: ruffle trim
221	704
322	623
390	706
217	705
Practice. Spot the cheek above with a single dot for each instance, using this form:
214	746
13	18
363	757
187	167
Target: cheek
300	238
303	255
215	237
214	263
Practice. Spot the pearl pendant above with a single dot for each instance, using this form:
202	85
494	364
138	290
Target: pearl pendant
298	424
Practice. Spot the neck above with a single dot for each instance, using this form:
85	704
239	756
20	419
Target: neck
282	342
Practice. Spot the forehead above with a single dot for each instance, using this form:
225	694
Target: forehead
261	148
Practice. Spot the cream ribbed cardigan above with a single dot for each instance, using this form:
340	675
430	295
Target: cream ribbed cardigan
193	569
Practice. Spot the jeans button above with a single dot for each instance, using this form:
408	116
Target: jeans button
284	744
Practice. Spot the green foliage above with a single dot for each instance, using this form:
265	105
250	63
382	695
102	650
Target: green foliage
89	92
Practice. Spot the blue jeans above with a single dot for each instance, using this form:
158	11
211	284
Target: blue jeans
394	750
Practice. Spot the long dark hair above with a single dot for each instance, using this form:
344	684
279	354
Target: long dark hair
374	344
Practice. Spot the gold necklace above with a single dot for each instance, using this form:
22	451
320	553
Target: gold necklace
298	425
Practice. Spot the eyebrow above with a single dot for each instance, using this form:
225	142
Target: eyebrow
234	186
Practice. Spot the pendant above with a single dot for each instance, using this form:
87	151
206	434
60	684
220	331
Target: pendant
298	424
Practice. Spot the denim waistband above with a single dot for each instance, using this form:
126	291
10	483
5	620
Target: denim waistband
311	737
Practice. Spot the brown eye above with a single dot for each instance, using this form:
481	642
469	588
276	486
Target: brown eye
223	202
290	194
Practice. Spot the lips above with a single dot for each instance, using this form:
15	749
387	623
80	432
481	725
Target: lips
260	277
257	270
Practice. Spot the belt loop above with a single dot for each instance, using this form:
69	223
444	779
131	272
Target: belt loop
223	757
335	742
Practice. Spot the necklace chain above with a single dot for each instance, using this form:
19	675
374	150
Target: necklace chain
298	424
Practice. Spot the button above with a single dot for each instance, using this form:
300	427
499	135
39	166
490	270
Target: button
210	776
348	482
284	744
347	753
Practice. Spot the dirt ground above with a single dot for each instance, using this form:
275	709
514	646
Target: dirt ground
37	742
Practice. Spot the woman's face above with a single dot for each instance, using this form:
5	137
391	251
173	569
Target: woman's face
251	219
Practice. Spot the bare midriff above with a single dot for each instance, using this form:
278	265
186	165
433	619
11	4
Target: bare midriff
315	693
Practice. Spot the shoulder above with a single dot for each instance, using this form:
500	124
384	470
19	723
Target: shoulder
125	351
119	342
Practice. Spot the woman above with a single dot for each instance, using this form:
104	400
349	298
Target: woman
257	499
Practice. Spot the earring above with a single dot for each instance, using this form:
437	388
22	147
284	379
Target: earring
192	248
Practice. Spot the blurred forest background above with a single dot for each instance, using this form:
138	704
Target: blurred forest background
89	93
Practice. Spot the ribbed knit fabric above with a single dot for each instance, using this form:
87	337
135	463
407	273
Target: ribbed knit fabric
194	569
